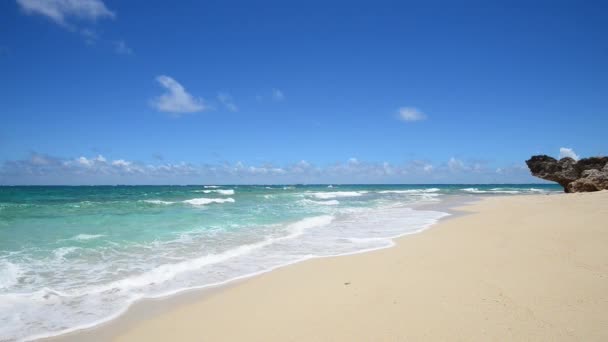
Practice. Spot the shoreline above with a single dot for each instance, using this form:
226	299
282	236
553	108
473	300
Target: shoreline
146	308
147	314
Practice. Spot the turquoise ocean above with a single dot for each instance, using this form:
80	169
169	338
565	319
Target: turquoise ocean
74	257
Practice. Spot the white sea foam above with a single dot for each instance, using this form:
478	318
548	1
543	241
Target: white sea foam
491	191
336	194
167	272
158	202
204	201
410	191
506	190
329	202
9	274
211	186
62	252
218	191
84	237
298	227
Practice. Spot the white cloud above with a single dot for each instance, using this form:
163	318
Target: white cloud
277	95
388	168
567	152
121	163
227	101
120	47
263	170
76	16
44	169
89	162
176	100
411	114
456	165
38	160
84	161
59	10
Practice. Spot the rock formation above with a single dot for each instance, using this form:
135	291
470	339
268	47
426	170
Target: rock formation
588	174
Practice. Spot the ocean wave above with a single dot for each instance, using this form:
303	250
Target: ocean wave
298	227
62	252
211	186
9	274
336	194
491	191
84	237
411	191
329	202
159	202
218	191
194	201
165	272
84	204
204	201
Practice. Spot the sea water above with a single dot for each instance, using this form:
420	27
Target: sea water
73	257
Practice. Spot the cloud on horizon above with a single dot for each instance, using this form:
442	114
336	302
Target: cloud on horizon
176	100
44	169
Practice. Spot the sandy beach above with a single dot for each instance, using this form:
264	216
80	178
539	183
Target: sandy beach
511	268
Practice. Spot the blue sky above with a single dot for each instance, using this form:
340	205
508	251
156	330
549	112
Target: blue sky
109	92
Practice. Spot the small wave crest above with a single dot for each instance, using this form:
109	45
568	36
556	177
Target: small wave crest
410	191
204	201
62	252
158	202
84	237
217	191
492	191
336	194
329	202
